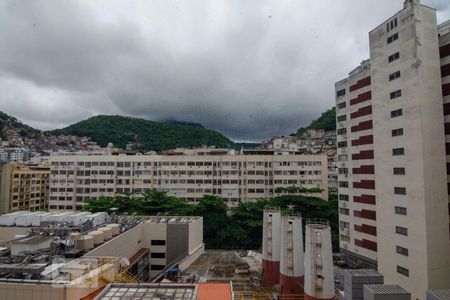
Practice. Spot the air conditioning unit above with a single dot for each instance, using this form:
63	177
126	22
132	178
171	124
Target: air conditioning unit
344	245
344	204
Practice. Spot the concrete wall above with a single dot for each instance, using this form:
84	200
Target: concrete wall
195	234
177	241
7	233
124	245
30	291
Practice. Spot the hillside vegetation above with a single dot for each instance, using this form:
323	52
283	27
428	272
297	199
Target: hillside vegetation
146	135
327	121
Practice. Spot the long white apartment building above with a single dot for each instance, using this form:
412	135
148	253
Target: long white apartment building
392	130
187	174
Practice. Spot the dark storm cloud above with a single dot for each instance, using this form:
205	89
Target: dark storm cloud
251	69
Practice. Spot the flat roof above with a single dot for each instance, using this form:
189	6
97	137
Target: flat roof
148	291
386	289
363	272
441	294
34	239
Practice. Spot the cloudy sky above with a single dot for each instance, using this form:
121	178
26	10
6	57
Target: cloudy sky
248	68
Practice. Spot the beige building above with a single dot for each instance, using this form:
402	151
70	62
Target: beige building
188	174
23	187
391	152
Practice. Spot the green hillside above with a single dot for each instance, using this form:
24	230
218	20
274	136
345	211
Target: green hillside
326	121
146	135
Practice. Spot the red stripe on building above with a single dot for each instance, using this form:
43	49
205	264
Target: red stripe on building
363	140
364	170
447	128
364	228
366	199
360	84
366	244
447	108
445	70
446	89
363	111
366	214
364	184
361	98
368	154
362	126
444	51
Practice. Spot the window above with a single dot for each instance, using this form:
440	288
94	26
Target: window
392	38
156	267
342	131
399	171
396	113
342	105
403	271
398	151
342	118
391	25
342	144
397	132
401	230
343	197
400	190
157	255
342	170
402	251
343	184
340	93
394	57
344	211
394	76
396	94
400	210
158	242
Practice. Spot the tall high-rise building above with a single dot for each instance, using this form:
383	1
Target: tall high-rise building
391	150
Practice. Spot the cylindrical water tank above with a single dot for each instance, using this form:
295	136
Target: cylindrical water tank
115	229
271	246
99	236
85	242
107	231
319	273
292	270
74	236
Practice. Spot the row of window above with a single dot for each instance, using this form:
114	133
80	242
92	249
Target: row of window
181	163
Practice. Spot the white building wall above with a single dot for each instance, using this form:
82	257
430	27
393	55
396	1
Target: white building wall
427	263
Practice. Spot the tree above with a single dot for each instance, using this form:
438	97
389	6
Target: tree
214	213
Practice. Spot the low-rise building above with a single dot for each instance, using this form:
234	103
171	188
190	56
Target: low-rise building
184	173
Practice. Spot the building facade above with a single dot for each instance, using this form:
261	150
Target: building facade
189	175
23	187
391	151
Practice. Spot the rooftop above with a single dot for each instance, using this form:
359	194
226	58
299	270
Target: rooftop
386	289
441	294
363	272
200	291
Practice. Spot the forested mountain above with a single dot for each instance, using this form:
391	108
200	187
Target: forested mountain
144	134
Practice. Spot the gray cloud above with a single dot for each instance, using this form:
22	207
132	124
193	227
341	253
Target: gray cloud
251	69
